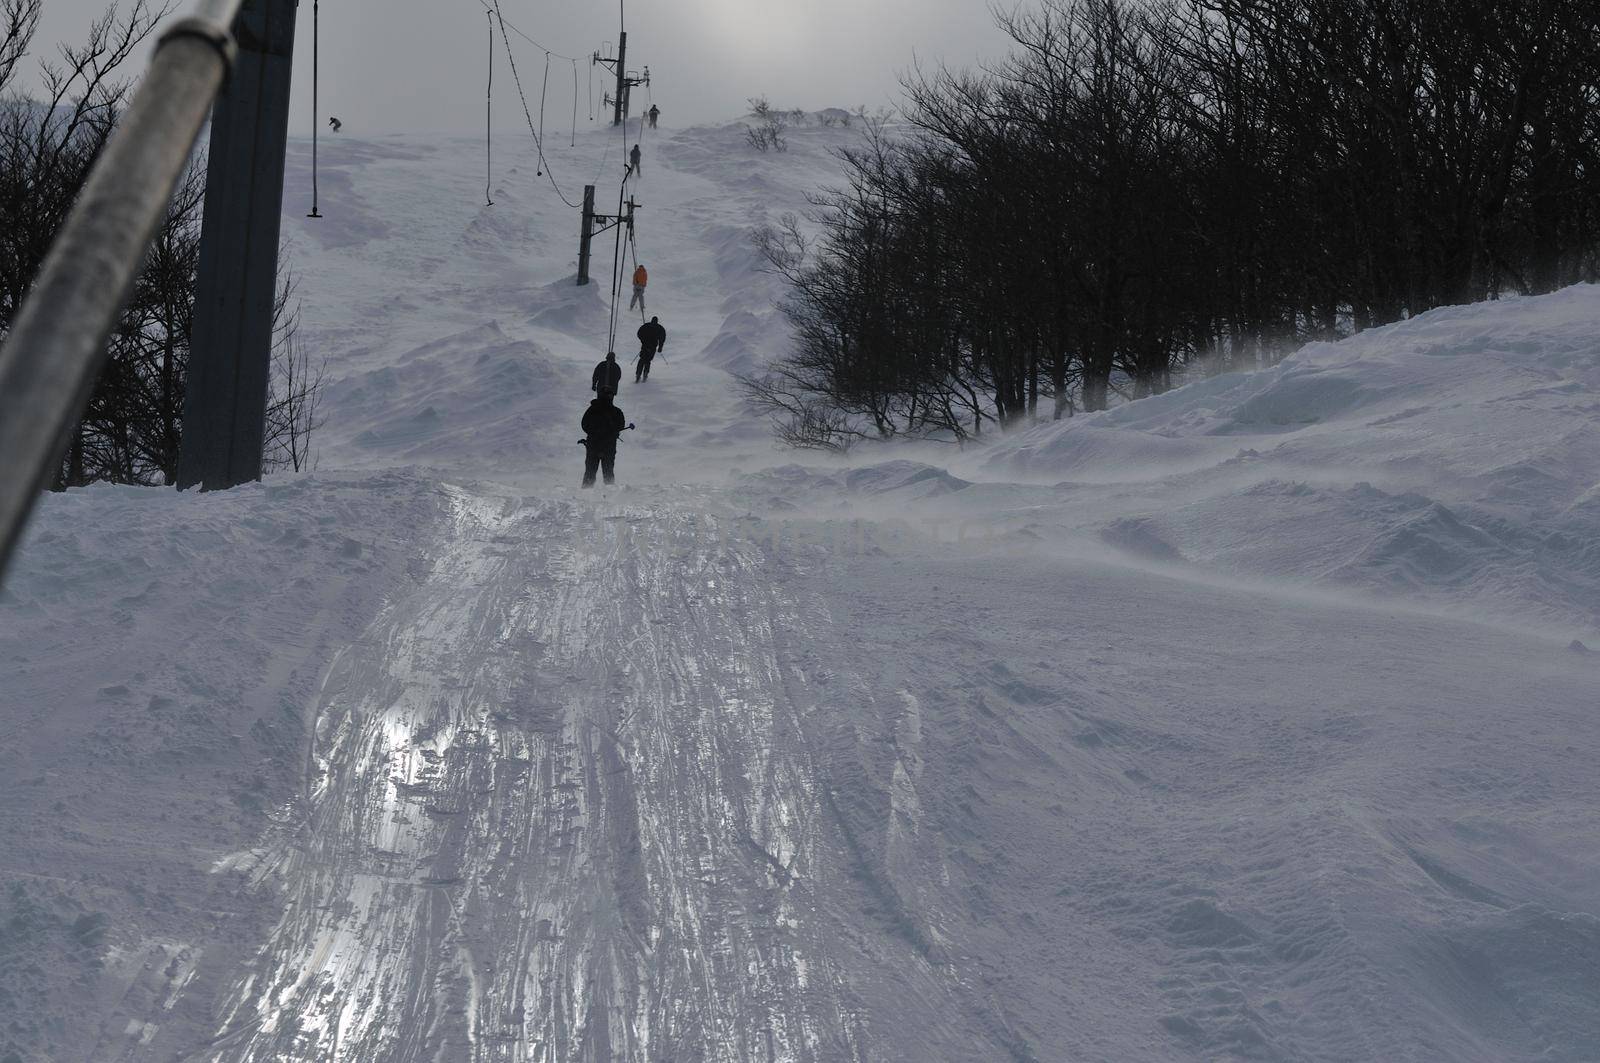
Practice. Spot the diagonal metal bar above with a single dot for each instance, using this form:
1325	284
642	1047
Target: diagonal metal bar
57	342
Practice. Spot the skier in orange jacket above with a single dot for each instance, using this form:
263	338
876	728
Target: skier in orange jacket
640	279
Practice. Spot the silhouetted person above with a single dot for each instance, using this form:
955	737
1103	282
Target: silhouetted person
655	114
633	159
641	277
608	374
336	124
603	422
652	337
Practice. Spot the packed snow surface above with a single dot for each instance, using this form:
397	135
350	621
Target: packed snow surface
1257	720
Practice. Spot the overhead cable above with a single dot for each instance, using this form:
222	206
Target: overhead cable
544	163
512	27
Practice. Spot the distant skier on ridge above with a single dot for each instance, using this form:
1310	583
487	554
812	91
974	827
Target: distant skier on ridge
607	375
652	338
640	278
655	114
603	424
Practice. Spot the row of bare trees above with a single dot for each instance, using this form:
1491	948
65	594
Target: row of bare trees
1144	186
132	429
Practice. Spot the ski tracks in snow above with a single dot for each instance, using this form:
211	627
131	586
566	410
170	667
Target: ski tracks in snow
562	810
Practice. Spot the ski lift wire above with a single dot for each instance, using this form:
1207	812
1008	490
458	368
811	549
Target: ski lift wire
604	158
544	90
316	120
616	270
544	163
488	131
633	247
513	28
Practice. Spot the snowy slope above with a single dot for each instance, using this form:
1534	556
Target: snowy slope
1447	459
1236	723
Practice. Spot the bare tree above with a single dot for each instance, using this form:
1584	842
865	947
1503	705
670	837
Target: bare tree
1144	186
131	431
19	21
767	134
48	143
294	393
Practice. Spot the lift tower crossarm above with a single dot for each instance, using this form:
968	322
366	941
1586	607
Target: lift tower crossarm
625	81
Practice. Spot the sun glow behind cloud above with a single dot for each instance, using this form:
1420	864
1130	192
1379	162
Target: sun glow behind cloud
415	65
763	29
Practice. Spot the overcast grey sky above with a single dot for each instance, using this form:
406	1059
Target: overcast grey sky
418	65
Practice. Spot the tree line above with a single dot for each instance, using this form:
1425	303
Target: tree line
1145	188
132	429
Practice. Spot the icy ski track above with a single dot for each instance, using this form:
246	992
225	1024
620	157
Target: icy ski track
608	785
758	757
539	784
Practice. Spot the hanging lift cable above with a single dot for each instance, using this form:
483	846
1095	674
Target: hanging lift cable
616	274
527	112
544	91
606	155
488	133
512	26
644	115
316	74
601	171
618	262
633	247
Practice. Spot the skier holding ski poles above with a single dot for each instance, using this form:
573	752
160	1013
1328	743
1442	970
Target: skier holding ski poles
652	338
603	425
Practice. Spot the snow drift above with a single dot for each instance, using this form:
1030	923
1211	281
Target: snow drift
1447	459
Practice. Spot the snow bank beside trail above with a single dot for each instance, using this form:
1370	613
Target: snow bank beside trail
1454	457
160	654
475	399
892	483
753	331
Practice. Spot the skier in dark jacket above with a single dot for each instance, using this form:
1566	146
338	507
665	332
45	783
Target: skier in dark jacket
603	422
633	160
608	374
652	337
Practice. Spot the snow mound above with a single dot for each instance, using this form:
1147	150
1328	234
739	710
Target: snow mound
795	486
453	397
563	306
1452	457
1098	452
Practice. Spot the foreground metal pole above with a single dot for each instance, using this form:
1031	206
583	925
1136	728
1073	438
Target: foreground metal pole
230	346
58	340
